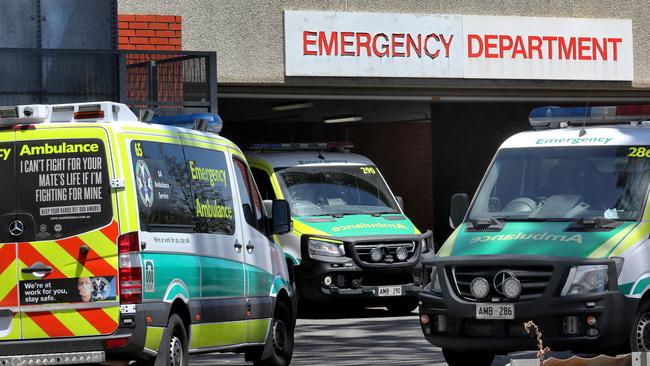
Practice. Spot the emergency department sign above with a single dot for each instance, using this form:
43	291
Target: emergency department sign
457	46
372	44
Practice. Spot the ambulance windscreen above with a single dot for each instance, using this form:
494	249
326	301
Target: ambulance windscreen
565	184
336	190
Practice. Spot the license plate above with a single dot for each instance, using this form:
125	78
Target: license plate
495	311
389	291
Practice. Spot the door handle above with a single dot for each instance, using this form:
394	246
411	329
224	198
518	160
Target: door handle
238	246
250	247
37	269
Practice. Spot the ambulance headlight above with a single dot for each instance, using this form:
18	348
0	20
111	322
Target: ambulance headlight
328	249
585	280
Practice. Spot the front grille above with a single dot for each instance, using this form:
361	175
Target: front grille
364	249
534	281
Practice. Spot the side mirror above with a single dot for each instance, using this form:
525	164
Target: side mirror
459	207
280	217
400	202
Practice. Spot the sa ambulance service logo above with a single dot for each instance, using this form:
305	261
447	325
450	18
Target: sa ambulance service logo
145	183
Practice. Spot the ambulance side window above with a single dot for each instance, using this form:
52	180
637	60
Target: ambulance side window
211	189
263	183
162	185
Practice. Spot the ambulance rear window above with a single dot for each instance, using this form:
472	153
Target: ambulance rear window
162	185
62	187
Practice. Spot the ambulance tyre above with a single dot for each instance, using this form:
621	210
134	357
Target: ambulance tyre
175	352
281	338
467	357
640	335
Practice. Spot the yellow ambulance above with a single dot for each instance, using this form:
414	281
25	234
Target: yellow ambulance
134	240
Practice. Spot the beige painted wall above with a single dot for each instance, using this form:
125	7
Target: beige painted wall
248	35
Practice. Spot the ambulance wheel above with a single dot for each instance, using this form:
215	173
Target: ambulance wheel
467	357
640	335
281	334
177	345
402	307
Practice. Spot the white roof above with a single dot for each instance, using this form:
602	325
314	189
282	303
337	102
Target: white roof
283	159
595	136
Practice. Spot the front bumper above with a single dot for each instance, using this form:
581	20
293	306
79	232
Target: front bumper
323	278
453	322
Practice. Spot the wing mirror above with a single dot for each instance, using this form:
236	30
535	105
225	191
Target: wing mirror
280	217
459	207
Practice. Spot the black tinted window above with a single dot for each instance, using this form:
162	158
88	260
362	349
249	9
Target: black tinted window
162	184
212	193
63	185
263	183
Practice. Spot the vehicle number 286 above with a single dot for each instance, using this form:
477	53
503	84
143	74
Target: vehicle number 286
639	152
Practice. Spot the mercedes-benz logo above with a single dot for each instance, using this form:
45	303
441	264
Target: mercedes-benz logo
16	228
500	278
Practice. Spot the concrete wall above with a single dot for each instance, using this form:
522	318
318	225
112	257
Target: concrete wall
248	35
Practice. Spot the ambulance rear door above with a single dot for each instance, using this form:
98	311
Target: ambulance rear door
65	223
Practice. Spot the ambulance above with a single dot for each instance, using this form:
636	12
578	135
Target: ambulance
351	243
558	234
134	240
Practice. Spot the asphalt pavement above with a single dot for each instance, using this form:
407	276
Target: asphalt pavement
364	337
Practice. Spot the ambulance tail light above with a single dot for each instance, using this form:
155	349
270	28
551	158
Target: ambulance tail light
130	288
554	117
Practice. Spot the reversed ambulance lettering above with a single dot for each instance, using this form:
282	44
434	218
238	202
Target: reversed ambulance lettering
577	238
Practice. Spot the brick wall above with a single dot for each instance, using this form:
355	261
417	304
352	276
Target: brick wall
149	32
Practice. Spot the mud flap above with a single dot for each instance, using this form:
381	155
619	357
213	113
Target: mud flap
163	349
268	345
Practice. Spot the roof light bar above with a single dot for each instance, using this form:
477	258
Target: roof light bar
209	122
340	146
553	117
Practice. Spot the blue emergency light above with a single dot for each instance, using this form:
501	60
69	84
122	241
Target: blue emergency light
553	117
210	122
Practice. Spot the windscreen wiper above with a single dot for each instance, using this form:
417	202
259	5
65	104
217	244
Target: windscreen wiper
485	223
595	222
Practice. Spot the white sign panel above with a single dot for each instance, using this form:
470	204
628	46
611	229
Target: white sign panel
372	44
456	46
547	48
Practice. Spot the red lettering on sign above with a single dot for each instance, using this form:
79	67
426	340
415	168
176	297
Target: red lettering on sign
519	48
345	43
306	41
426	46
397	41
535	44
446	43
567	52
491	43
471	38
583	48
384	51
600	48
410	44
330	46
363	43
503	46
549	42
615	42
